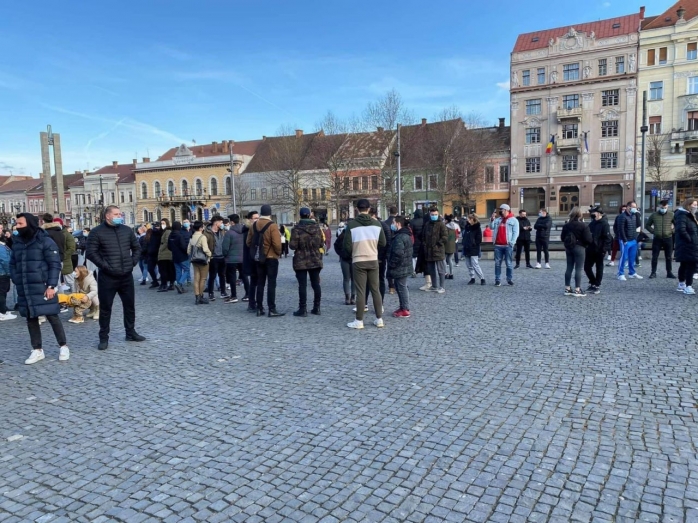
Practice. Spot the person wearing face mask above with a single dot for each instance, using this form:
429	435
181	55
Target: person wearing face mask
215	235
523	242
400	263
306	241
249	269
86	285
661	225
505	230
35	268
165	263
178	243
686	227
596	250
543	226
5	254
628	230
615	246
434	239
114	249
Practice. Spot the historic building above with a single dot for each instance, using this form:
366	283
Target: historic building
35	198
192	182
13	197
669	74
573	115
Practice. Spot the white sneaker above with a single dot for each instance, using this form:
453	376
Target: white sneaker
356	324
425	287
36	355
441	290
42	319
537	266
7	316
378	322
689	290
610	264
608	257
681	287
622	277
635	276
64	354
547	265
365	308
695	276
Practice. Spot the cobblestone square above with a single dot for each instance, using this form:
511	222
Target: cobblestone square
506	404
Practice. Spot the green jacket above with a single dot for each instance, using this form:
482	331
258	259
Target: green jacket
363	238
164	253
660	224
70	249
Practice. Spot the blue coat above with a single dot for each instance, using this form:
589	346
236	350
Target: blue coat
35	264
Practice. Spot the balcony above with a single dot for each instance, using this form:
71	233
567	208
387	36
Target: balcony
186	198
569	143
569	113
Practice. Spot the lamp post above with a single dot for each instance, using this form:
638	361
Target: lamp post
643	130
399	184
232	180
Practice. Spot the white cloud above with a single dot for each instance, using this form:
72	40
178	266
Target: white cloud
505	86
606	5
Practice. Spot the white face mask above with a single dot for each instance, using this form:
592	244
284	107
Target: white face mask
75	274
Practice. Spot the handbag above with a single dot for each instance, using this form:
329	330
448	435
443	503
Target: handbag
198	256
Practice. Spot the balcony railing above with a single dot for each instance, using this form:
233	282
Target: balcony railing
684	136
569	143
569	112
188	197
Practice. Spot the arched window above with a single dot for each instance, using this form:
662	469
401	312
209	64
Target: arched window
214	187
228	188
170	188
157	190
145	215
199	187
172	215
158	214
144	190
185	187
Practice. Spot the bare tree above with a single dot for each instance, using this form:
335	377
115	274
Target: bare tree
657	170
386	112
242	192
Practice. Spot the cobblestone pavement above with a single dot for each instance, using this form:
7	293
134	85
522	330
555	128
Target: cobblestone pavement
506	404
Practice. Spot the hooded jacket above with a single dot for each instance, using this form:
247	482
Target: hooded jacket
154	243
177	243
35	265
234	244
453	230
400	255
306	242
113	249
580	230
54	231
686	227
417	224
164	252
512	229
70	249
364	238
601	236
87	286
434	239
543	226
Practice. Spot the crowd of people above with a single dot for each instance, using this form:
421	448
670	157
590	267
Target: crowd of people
53	272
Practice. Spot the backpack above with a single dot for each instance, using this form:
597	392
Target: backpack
258	244
570	240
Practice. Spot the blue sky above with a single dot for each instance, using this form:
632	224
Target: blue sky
120	80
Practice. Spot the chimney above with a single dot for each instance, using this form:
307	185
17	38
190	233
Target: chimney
264	137
380	129
299	133
642	12
146	160
135	161
680	12
115	164
501	123
214	147
225	145
424	121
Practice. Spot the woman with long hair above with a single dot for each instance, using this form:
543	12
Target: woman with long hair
86	284
198	242
686	227
472	241
575	236
165	263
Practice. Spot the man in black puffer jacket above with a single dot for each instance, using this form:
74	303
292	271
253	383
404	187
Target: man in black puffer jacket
596	250
114	249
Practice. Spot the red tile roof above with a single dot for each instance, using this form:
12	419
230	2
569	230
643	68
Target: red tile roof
68	179
247	148
306	152
366	145
669	17
601	28
422	145
125	172
20	185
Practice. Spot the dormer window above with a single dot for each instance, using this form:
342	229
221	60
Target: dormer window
616	25
535	39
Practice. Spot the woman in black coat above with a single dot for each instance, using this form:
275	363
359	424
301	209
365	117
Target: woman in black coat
472	240
35	268
153	249
686	246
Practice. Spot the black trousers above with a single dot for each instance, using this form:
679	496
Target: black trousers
216	268
35	331
4	289
686	272
302	277
107	289
152	265
542	246
167	272
231	272
252	291
266	275
594	260
659	245
526	246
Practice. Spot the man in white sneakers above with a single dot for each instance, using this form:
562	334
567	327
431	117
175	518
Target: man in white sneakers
5	254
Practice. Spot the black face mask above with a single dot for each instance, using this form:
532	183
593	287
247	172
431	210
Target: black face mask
25	232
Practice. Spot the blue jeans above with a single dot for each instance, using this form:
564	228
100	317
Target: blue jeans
505	253
628	253
143	266
182	272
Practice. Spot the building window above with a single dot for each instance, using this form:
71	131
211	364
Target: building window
345	184
433	182
692	51
355	183
199	187
286	192
654	158
610	97
662	55
130	197
214	187
533	165
609	129
570	72
274	193
122	197
503	174
570	131
264	193
620	64
323	194
145	215
305	195
418	183
691	155
144	191
374	183
533	135
314	194
526	77
253	194
489	174
603	67
570	101
228	186
364	183
533	106
651	57
541	75
185	187
693	85
656	90
609	160
692	120
156	189
170	188
569	162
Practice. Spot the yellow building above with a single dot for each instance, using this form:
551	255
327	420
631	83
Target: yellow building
191	182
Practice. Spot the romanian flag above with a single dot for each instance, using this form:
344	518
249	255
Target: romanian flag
549	148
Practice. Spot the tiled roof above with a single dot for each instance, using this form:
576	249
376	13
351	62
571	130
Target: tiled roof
68	179
247	148
669	17
20	185
422	145
306	152
125	172
601	28
366	145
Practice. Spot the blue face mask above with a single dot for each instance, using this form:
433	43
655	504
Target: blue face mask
186	225
633	211
15	233
662	210
117	221
393	227
433	218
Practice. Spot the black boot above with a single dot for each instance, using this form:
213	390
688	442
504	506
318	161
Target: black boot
483	282
203	300
154	285
170	287
353	300
273	313
653	276
316	310
347	299
302	312
163	288
472	281
196	300
671	276
260	312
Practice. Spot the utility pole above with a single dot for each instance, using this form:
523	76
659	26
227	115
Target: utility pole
399	180
232	180
643	130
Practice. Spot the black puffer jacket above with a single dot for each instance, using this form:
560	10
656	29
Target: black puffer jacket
400	255
417	224
686	227
472	239
627	226
579	230
524	234
601	236
543	226
35	264
113	249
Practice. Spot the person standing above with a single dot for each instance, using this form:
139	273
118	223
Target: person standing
453	231
596	250
35	268
265	239
178	244
114	249
199	242
143	237
233	250
306	243
543	226
217	265
284	242
615	246
417	224
69	251
347	272
153	250
165	263
5	280
472	241
628	229
686	226
434	239
400	263
505	230
392	213
523	242
575	237
661	225
249	267
364	237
